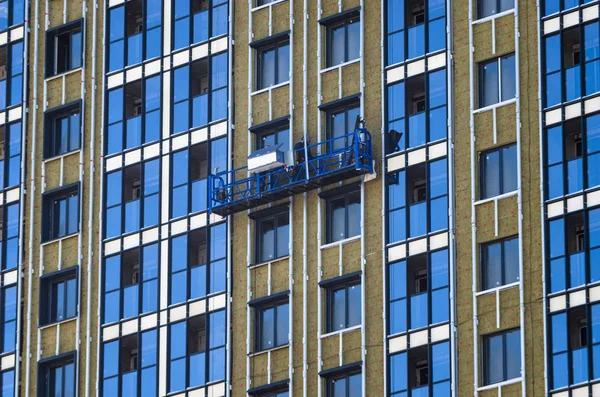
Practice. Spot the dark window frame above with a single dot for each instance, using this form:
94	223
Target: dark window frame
340	24
329	380
486	355
484	261
51	130
46	366
329	215
501	166
52	35
481	80
48	301
258	329
330	302
260	52
51	219
259	244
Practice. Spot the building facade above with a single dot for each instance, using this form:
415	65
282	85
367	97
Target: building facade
213	198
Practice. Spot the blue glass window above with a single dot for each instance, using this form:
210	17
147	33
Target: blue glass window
191	21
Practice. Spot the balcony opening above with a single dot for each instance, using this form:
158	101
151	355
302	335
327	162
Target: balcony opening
418	367
130	276
197	247
578	331
416	12
198	162
415	95
130	268
418	285
571	48
199	77
199	5
575	233
417	274
3	60
199	92
196	335
133	99
132	183
135	21
416	183
2	147
128	354
573	142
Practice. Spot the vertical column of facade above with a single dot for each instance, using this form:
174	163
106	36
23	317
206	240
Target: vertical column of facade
330	225
164	265
569	189
418	265
61	130
14	50
496	224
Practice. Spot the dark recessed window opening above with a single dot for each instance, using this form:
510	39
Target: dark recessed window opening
62	130
60	209
498	171
343	306
56	376
497	80
343	41
501	357
273	65
500	263
272	237
58	296
64	48
272	325
343	217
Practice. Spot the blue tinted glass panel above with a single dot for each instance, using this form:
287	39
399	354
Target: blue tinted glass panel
560	370
397	315
200	20
395	47
111	307
110	359
397	280
416	44
593	133
592	170
439	306
153	40
418	219
572	82
439	214
418	311
219	20
396	105
182	33
553	95
437	35
437	124
440	356
439	269
398	372
557	275
580	364
577	269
